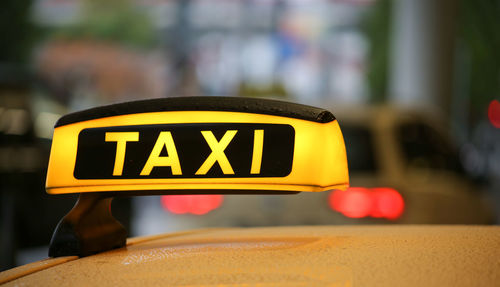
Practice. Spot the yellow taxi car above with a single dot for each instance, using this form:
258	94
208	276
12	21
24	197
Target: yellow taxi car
230	146
409	151
403	168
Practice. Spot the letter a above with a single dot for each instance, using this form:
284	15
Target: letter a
172	160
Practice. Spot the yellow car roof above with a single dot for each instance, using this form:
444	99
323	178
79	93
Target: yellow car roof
285	256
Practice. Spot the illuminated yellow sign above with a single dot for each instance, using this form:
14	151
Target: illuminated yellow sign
195	151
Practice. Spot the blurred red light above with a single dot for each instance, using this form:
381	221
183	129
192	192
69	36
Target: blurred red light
193	204
359	202
388	203
355	202
494	113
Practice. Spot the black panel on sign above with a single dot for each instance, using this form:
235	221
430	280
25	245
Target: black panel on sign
96	157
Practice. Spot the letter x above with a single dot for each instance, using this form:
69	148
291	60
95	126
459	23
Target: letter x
217	154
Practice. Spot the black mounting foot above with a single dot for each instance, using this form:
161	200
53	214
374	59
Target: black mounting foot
88	228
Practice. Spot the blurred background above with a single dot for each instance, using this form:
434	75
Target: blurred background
415	85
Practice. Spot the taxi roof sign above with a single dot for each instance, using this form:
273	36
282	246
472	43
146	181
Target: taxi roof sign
197	145
190	145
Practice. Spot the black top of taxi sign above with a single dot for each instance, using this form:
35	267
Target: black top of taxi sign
227	104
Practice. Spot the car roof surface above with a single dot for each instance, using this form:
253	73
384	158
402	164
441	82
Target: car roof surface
286	256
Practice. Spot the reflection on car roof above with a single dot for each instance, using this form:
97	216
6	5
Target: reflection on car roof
337	256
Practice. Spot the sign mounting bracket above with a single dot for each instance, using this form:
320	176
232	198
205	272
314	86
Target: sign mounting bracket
88	228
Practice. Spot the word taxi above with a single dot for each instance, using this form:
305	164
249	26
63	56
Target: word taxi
213	150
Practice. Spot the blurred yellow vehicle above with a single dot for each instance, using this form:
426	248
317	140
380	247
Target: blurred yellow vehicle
410	152
403	168
204	146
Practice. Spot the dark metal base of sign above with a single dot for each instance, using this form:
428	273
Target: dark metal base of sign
88	228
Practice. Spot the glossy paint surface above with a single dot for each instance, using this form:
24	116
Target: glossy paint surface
292	256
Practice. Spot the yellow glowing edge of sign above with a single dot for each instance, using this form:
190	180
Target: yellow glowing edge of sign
319	162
